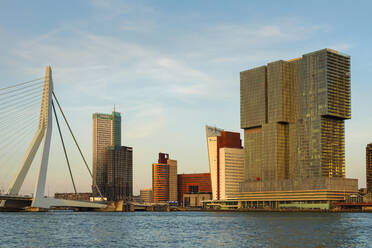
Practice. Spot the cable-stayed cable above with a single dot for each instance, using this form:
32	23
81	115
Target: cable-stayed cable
19	84
64	148
19	106
20	98
77	145
18	115
17	90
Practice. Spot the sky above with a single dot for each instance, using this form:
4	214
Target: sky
170	68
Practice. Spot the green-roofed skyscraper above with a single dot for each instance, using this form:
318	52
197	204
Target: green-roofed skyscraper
106	138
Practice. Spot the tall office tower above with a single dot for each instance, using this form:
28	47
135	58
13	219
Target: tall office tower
119	173
164	179
226	162
106	132
293	113
369	167
146	195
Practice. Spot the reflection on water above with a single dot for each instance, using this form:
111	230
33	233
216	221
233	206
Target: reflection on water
185	229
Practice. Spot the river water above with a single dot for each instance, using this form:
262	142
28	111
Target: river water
185	229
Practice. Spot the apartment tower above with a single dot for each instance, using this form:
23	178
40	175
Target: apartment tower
164	179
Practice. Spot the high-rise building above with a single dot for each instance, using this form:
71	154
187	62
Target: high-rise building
192	184
226	162
293	113
119	173
112	163
106	132
146	195
369	167
164	179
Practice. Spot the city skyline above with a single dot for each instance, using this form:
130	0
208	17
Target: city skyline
169	88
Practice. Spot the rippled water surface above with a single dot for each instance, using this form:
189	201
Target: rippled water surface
185	229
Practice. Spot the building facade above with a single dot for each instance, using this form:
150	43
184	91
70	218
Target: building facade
146	195
293	113
106	132
73	196
112	163
195	199
231	171
226	162
164	179
119	173
369	167
193	184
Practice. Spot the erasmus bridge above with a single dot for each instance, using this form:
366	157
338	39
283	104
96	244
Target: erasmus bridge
15	102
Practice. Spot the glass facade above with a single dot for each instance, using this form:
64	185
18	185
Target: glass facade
293	113
106	132
118	173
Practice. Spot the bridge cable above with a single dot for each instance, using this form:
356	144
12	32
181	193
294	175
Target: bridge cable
19	84
29	96
20	115
76	143
15	107
38	84
64	148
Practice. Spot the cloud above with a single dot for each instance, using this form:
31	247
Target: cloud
145	121
94	64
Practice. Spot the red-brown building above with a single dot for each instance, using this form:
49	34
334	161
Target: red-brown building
164	179
193	183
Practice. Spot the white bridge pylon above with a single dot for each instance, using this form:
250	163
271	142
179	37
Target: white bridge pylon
43	134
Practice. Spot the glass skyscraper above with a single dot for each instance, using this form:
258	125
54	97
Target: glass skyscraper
293	113
112	163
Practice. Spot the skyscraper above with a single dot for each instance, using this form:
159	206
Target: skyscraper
106	132
112	163
119	173
226	162
164	179
369	167
293	113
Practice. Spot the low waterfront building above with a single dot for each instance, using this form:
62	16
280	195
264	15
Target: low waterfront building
195	199
73	196
137	198
193	183
146	195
